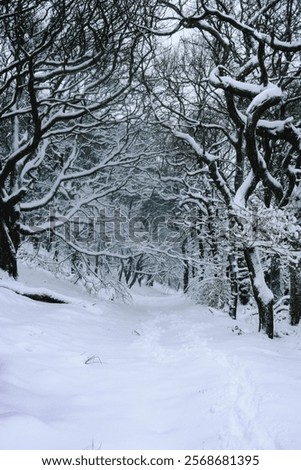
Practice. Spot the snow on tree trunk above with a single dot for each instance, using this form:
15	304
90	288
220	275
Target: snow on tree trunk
233	285
295	292
244	288
262	294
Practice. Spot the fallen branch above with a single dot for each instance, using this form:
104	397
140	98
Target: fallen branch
40	295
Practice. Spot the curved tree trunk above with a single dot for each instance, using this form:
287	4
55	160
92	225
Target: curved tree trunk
262	294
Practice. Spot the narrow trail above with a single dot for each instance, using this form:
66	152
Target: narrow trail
178	331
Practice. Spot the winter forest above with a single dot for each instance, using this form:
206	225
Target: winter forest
155	145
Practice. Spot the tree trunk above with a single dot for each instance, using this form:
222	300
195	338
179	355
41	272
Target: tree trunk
150	280
295	292
244	287
186	267
186	276
275	276
233	270
9	241
262	294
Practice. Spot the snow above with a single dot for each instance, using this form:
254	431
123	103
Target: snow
239	200
160	373
195	146
250	90
272	94
274	128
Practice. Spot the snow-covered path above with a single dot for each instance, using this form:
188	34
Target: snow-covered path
212	389
161	373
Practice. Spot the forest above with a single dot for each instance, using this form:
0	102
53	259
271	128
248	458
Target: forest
155	142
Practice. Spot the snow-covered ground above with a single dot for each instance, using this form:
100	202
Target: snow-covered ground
160	373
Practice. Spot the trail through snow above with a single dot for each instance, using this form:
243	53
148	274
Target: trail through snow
160	373
228	403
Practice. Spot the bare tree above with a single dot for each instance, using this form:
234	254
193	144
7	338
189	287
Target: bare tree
239	120
66	69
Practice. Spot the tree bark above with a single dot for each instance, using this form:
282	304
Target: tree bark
295	292
275	276
262	294
186	266
233	270
9	240
244	288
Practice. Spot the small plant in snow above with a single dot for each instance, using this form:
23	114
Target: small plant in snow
94	360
